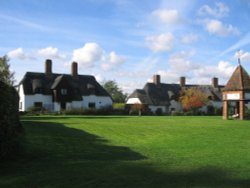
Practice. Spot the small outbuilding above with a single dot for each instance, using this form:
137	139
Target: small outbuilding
236	94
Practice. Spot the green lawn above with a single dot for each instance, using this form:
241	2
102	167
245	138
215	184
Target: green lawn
93	151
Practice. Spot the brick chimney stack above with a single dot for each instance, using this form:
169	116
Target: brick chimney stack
157	80
182	81
48	67
215	82
74	70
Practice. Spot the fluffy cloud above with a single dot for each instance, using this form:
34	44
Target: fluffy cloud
88	55
216	27
18	54
112	60
167	16
219	10
51	52
244	56
189	39
180	64
160	43
223	70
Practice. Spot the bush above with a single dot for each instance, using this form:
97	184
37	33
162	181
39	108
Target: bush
218	111
247	113
35	110
177	114
120	106
80	111
10	127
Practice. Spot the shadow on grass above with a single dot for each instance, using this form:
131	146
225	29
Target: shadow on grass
58	156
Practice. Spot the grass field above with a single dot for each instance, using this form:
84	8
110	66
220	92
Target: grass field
86	151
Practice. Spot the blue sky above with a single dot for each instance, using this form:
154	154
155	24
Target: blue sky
126	40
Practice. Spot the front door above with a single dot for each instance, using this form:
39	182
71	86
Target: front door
63	106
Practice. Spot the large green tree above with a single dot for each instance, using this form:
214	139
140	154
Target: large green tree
6	75
114	91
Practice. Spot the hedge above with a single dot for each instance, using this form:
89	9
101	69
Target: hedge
10	127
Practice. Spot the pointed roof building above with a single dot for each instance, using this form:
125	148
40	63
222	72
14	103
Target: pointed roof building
239	81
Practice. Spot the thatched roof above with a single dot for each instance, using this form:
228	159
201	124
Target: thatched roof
162	94
79	86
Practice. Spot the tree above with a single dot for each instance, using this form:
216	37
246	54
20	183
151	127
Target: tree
192	99
114	91
6	75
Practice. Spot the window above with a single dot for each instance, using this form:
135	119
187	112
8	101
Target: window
38	104
92	105
20	105
63	91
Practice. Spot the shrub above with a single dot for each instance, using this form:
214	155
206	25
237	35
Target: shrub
218	111
247	113
10	127
119	106
177	113
81	111
35	110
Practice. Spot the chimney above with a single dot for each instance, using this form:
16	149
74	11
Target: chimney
48	67
74	70
215	82
182	81
157	80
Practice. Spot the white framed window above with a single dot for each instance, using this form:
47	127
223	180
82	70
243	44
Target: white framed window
63	91
20	105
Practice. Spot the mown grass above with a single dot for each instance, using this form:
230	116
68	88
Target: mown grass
96	151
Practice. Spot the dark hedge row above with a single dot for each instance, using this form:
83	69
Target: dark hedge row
10	127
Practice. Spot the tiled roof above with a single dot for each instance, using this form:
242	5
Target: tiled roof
239	80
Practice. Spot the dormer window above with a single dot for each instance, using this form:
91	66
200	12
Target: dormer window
63	91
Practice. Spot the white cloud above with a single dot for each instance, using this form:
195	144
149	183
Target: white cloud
160	43
99	78
244	56
167	16
181	63
112	60
88	55
189	39
168	76
219	10
216	27
222	70
18	54
51	52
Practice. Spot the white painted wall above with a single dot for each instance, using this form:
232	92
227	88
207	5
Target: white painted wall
248	105
154	108
217	104
45	99
133	101
21	98
176	105
29	100
100	101
57	107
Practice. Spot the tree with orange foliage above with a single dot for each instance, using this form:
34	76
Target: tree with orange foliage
192	99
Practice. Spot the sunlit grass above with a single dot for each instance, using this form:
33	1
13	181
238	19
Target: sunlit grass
95	151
